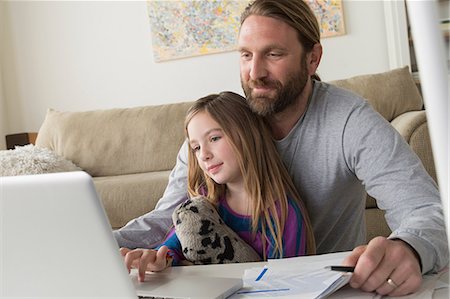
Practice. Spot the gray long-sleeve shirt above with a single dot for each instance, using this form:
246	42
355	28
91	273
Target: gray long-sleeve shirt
337	150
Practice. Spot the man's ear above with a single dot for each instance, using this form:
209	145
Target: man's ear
313	58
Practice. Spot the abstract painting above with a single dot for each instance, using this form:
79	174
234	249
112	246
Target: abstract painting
185	28
189	28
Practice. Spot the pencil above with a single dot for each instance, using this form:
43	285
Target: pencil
341	268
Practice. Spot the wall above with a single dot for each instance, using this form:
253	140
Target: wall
89	55
3	120
363	49
444	14
444	9
3	114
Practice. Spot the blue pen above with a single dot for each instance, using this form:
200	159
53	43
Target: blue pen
261	274
262	291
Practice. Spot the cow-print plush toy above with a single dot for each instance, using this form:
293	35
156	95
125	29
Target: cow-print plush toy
205	238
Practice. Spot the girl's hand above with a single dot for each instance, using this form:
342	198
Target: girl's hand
145	260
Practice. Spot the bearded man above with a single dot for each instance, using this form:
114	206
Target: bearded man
336	148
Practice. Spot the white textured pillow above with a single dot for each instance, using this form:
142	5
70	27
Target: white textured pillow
30	159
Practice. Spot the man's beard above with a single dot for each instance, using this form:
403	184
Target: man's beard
285	95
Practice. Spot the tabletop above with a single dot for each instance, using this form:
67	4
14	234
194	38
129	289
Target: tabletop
433	287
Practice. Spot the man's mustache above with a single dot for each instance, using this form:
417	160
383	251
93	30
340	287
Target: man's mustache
264	83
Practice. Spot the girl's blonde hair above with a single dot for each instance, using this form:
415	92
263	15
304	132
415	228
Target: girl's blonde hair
266	180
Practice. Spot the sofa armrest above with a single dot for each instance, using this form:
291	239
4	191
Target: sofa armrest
413	127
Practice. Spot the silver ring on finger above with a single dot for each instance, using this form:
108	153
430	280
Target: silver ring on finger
391	283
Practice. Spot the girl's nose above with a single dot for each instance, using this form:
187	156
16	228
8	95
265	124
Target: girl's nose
205	154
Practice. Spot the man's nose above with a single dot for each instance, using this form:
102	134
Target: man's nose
258	68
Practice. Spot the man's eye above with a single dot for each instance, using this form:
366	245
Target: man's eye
274	54
245	55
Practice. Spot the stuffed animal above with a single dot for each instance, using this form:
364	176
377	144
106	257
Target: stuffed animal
205	238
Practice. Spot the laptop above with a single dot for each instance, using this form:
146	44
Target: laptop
160	285
56	241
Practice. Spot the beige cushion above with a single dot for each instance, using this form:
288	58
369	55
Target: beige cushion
390	93
376	224
413	127
126	197
117	141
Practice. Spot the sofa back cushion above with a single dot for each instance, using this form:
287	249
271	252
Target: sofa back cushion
390	93
117	141
143	139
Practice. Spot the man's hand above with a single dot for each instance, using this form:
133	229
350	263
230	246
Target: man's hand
145	260
388	267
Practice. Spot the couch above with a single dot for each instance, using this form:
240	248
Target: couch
130	152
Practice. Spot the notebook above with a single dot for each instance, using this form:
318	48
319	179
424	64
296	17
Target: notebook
56	241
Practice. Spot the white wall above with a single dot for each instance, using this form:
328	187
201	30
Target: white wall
364	49
3	115
89	55
444	9
3	120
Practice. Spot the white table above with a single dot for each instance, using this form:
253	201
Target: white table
237	271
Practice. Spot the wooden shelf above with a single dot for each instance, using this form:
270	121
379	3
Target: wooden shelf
20	139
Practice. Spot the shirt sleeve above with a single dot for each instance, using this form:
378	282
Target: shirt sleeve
149	230
175	250
393	174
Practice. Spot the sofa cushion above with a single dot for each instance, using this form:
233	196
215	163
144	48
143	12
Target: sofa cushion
117	141
126	197
376	224
390	93
413	126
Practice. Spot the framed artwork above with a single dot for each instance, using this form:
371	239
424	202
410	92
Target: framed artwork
186	28
190	28
330	16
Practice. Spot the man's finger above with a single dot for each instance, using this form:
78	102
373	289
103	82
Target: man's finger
368	262
352	259
411	285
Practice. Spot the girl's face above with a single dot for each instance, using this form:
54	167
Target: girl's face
214	153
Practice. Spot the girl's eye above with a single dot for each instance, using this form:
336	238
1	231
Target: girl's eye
196	148
215	138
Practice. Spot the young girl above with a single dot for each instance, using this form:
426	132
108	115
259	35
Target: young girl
234	164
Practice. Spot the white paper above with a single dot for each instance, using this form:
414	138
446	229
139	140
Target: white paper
304	277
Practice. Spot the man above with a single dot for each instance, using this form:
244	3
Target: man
335	147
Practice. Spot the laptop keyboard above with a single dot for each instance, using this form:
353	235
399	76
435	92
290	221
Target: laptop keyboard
144	297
